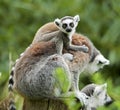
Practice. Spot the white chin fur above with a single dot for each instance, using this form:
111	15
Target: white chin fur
99	62
102	59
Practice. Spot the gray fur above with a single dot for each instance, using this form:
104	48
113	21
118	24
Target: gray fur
97	96
64	37
89	89
11	83
40	82
31	72
34	76
61	37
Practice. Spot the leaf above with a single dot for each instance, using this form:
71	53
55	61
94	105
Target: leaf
62	79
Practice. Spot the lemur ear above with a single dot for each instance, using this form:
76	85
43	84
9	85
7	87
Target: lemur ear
57	22
77	18
101	88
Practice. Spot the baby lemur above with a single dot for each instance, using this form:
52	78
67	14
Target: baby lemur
63	37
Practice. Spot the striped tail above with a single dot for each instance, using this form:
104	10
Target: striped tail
10	88
11	83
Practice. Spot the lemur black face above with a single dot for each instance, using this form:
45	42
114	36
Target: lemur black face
71	24
64	25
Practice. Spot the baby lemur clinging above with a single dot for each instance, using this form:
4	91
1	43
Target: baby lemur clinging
63	37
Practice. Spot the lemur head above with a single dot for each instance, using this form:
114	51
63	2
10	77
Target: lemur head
93	60
97	94
98	61
67	24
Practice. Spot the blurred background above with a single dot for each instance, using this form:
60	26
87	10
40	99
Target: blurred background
100	21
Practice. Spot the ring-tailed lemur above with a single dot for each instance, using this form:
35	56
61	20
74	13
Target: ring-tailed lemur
67	27
40	50
97	96
63	37
92	63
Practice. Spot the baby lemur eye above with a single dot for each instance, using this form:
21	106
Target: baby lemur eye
64	25
71	24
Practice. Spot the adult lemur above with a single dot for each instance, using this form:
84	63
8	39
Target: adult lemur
34	71
98	96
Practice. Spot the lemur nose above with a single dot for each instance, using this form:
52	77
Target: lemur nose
106	62
109	102
68	30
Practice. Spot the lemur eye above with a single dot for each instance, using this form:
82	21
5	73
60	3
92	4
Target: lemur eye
72	24
100	62
64	25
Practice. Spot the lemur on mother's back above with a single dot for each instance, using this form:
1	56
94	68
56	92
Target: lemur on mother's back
63	37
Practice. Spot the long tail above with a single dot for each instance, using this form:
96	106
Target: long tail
11	94
11	83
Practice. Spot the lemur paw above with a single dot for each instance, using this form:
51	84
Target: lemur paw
85	48
68	56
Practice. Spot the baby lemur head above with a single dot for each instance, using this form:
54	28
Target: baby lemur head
67	24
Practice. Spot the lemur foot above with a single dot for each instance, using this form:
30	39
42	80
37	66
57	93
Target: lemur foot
85	48
68	56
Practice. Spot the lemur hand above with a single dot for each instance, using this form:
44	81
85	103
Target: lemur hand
86	49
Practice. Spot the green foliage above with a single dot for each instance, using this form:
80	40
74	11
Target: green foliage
113	91
100	20
63	82
62	79
72	103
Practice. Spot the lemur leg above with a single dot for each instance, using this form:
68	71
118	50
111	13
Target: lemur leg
78	48
68	56
75	81
59	45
